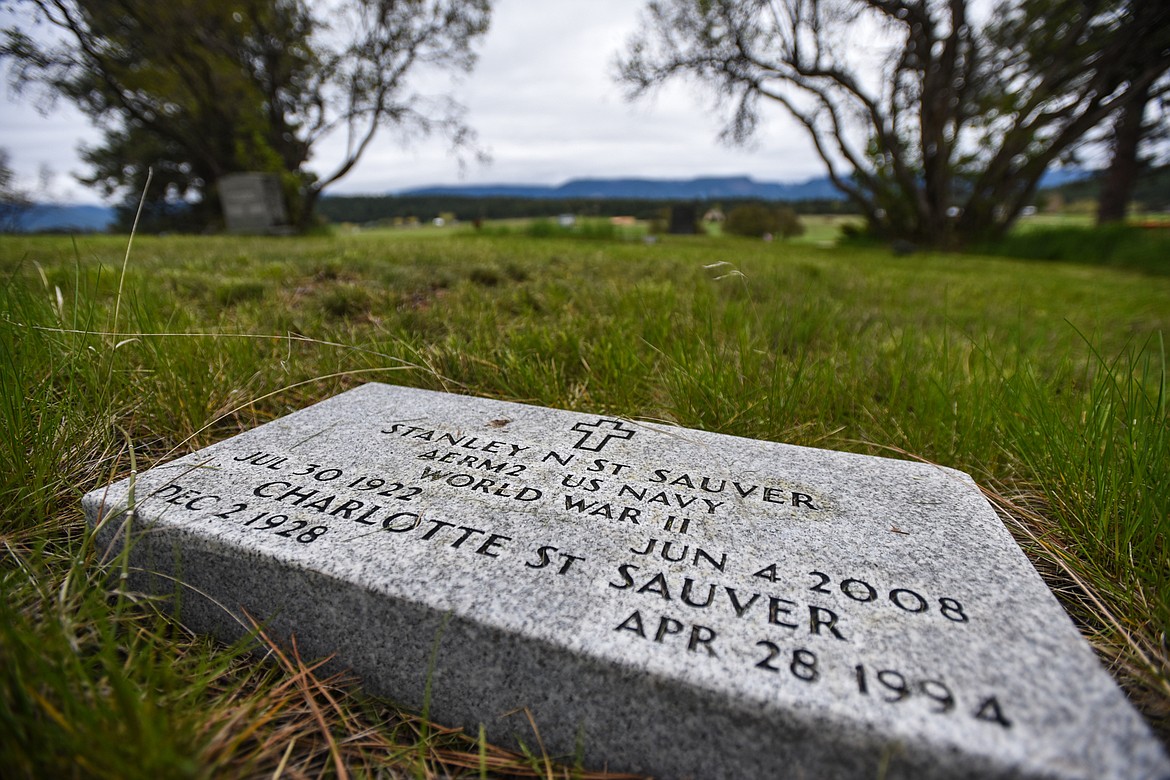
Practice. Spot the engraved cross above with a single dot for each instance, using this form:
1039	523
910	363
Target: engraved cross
612	430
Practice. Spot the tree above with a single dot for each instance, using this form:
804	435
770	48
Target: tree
938	128
197	89
1136	34
1120	177
1132	125
15	202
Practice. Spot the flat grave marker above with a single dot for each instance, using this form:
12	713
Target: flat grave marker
673	601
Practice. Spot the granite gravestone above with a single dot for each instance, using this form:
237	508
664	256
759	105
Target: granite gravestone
683	220
252	203
677	602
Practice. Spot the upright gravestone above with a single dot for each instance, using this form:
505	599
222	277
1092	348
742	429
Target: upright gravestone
683	220
252	203
672	601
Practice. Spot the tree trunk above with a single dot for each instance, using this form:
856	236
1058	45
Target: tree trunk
303	214
1120	178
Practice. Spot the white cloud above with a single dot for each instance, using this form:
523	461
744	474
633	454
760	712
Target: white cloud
38	143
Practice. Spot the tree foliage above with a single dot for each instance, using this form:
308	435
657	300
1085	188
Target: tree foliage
1134	36
198	89
938	126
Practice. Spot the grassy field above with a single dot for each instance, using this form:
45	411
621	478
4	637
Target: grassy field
1045	381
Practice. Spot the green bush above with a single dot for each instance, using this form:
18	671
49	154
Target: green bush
757	219
790	225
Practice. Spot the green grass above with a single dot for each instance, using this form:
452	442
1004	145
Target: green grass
1132	247
1043	380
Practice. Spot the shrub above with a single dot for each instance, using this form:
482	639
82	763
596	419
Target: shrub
788	225
751	219
756	219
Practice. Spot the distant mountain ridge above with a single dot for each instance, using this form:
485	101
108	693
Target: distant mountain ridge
702	188
84	218
76	217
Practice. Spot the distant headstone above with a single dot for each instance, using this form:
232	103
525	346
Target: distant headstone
676	602
252	203
682	220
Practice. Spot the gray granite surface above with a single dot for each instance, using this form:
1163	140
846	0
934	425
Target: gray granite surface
252	202
660	600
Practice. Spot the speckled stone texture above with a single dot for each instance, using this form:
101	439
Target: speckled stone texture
660	600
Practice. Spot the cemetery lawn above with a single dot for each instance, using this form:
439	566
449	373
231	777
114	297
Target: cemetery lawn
1045	381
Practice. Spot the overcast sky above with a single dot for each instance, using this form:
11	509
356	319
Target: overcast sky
543	101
